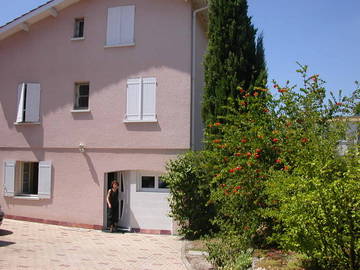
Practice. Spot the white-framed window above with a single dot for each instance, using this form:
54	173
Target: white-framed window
82	93
151	182
120	26
28	104
79	26
27	179
141	100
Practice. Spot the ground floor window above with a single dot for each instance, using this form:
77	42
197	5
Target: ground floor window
28	178
148	182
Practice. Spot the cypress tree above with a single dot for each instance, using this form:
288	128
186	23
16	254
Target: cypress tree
235	58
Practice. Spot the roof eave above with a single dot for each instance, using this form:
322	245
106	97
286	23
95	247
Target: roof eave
25	21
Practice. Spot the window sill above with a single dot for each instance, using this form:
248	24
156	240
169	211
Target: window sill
77	38
141	121
26	123
27	197
81	111
154	190
119	45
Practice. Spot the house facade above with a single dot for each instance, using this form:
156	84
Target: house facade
92	91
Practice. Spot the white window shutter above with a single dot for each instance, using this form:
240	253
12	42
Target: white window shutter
20	103
149	99
44	186
113	26
32	102
9	178
133	109
127	20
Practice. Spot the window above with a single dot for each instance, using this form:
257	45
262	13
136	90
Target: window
79	28
120	26
27	179
152	183
162	184
28	105
81	96
141	95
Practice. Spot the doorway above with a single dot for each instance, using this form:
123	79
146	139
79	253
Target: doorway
123	223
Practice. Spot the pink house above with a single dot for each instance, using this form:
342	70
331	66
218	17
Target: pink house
95	90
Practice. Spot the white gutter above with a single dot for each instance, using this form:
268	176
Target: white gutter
193	71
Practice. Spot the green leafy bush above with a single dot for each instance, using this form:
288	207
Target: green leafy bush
229	252
314	197
188	179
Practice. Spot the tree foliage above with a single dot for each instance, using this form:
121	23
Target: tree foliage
235	57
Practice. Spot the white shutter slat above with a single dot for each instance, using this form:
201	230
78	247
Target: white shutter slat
127	19
9	178
20	103
113	26
32	102
133	99
149	99
44	185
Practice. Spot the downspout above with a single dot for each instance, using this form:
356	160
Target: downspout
193	71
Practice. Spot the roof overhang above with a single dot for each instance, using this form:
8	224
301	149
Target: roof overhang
24	22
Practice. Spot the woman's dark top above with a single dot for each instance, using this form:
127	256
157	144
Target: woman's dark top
113	198
113	213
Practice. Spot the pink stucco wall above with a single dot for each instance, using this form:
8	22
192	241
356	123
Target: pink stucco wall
47	55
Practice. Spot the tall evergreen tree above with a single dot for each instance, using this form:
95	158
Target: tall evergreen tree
234	57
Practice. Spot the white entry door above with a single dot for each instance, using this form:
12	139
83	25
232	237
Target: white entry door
124	194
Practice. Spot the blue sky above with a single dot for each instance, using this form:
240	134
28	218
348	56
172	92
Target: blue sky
323	34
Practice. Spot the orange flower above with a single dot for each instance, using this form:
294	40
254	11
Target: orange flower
304	140
217	124
283	90
278	160
217	141
244	140
258	150
237	154
256	94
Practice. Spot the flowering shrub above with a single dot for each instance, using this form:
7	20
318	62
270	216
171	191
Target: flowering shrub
313	194
271	174
188	180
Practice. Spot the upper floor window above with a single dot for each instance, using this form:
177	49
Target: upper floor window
120	26
141	101
79	28
28	105
81	96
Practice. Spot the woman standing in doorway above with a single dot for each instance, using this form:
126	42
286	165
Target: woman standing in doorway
113	205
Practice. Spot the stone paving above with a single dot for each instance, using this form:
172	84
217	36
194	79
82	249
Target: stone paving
27	245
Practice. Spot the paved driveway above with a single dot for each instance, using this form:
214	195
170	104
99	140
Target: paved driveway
27	245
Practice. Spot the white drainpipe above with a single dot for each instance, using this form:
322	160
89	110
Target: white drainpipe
193	70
